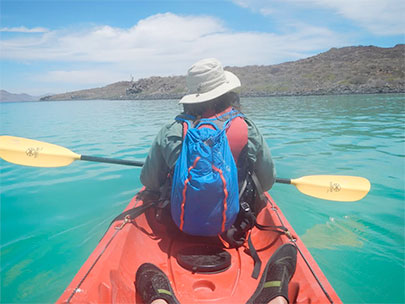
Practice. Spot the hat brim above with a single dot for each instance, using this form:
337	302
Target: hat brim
232	82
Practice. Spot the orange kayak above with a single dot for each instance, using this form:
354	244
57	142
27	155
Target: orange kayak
109	273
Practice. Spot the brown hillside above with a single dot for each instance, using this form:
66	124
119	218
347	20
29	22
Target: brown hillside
348	70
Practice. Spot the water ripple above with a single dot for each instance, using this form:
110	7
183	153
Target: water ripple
52	218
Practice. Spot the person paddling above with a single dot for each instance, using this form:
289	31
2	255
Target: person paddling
210	104
207	156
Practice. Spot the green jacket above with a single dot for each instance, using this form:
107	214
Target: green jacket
167	146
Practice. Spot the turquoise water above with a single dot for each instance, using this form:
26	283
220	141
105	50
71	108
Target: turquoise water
52	218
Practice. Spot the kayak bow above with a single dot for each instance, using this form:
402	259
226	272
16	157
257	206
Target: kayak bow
109	273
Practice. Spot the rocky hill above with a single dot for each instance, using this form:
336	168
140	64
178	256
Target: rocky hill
10	97
348	70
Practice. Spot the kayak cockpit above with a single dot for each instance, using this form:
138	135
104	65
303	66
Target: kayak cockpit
109	273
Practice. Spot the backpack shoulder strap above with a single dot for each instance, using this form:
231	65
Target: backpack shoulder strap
233	114
222	121
208	121
187	122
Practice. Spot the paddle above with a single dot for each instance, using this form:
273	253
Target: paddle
339	188
28	152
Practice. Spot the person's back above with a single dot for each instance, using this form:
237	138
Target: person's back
211	96
211	100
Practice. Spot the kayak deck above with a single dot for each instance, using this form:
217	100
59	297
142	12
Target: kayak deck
109	273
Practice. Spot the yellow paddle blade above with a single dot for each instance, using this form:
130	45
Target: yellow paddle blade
333	187
29	152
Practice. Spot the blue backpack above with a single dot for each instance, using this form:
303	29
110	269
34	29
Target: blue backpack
205	193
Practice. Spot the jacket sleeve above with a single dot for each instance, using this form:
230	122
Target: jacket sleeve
162	156
260	157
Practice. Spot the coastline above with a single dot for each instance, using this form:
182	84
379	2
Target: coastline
343	71
348	70
177	99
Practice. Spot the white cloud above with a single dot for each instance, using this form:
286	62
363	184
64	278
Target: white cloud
84	77
23	29
161	45
380	17
167	44
149	40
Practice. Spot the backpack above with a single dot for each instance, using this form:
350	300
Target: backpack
205	194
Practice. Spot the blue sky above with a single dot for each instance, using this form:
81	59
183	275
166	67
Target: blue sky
55	46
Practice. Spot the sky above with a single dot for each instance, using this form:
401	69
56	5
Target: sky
56	46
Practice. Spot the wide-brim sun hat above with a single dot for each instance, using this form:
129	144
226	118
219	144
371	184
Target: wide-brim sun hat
207	80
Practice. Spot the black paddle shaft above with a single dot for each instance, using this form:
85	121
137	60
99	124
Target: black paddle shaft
283	180
112	161
141	163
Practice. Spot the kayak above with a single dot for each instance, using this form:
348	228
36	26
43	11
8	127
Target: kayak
200	270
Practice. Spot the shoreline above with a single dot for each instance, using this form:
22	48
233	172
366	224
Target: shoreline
176	99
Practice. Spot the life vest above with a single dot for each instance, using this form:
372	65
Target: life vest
205	196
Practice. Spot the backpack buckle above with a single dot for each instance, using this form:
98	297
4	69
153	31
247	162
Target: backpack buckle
245	207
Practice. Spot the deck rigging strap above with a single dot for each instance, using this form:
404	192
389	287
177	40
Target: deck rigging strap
253	252
77	289
256	259
280	229
132	213
128	216
302	255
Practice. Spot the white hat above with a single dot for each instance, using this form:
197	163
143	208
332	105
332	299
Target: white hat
206	80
